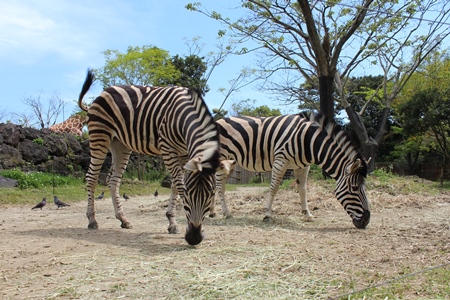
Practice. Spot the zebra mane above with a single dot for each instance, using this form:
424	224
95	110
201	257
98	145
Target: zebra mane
211	147
340	135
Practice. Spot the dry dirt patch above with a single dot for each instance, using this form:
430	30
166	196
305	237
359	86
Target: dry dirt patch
51	254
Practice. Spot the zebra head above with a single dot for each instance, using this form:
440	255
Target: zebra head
199	190
351	192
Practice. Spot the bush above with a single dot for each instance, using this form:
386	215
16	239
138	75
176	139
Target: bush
39	141
35	179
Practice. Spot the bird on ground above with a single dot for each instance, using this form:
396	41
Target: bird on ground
40	204
125	196
100	197
156	193
59	203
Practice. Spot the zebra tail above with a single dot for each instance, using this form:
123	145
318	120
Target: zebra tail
86	85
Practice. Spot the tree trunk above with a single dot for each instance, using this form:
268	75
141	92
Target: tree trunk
326	96
443	171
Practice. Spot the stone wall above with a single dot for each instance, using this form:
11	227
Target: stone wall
43	150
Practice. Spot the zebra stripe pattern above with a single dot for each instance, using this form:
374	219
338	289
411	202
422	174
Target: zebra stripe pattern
295	142
170	121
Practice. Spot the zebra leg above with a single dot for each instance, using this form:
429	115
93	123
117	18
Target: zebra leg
279	168
301	176
98	153
221	180
120	155
172	161
171	212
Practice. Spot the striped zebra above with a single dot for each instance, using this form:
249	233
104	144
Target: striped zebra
170	121
295	142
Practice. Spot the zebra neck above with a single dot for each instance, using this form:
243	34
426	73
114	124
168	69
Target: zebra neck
333	155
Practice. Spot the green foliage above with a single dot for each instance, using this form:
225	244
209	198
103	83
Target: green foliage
35	179
70	189
219	113
247	108
433	284
427	109
192	69
39	141
147	65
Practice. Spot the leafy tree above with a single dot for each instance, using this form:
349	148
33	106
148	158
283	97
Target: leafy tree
428	112
219	113
324	41
192	70
247	108
419	148
147	65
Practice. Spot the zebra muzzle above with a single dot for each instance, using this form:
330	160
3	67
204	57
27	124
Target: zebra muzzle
194	235
362	222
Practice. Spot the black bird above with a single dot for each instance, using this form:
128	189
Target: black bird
125	196
59	203
100	197
41	204
156	193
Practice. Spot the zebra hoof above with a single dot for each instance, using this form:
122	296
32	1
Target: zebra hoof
268	219
173	229
308	216
126	225
212	215
93	225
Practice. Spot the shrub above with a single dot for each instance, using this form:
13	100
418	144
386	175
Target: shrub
39	141
34	179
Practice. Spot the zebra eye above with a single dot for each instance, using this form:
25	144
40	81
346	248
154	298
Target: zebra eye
355	188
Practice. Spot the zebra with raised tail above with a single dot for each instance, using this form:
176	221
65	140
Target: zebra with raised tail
172	121
295	142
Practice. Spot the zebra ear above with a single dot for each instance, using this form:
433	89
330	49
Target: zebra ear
194	164
226	166
354	166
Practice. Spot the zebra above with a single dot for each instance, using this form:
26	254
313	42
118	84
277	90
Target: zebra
294	142
170	121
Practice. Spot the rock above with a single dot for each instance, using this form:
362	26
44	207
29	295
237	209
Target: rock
56	145
30	133
167	182
10	157
10	134
74	145
33	152
7	182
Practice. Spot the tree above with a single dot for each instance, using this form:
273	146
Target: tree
247	108
147	65
432	74
46	115
192	70
324	41
429	112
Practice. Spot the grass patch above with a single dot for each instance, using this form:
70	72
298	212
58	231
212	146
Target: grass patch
404	185
430	284
34	186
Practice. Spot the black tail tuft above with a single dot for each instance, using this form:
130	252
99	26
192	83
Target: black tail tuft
90	77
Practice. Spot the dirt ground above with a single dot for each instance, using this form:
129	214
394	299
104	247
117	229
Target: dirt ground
50	254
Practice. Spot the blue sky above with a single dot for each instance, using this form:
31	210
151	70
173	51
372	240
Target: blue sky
46	46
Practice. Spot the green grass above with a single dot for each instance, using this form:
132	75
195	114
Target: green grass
34	186
431	284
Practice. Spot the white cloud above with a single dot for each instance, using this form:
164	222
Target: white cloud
30	30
